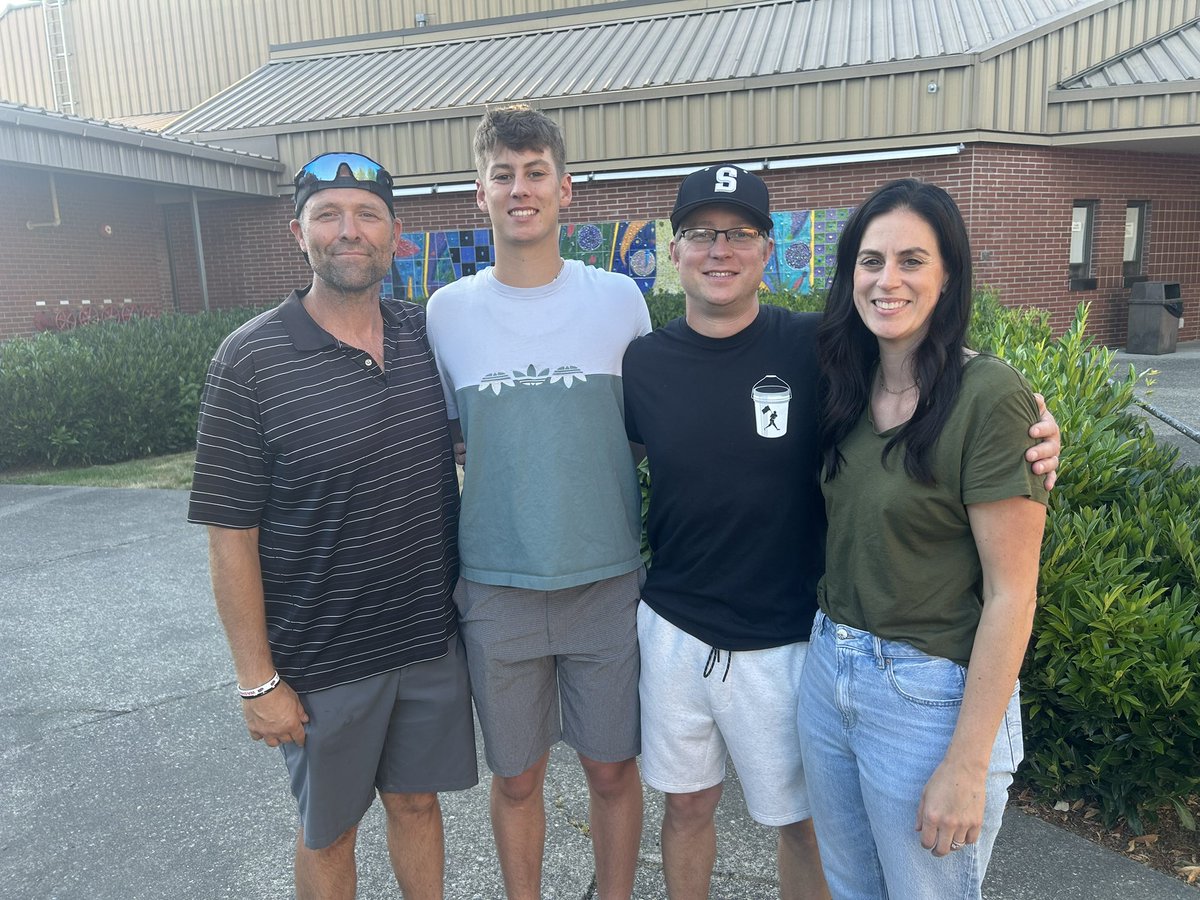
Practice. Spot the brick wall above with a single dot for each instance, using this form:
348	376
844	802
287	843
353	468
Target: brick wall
1017	203
109	245
251	258
1016	200
1021	212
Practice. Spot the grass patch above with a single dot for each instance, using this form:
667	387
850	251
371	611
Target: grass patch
173	472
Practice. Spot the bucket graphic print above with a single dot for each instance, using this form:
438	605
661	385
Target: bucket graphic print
771	395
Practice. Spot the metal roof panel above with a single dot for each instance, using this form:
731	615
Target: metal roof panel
1170	58
681	48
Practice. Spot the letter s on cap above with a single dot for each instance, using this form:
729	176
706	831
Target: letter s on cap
726	180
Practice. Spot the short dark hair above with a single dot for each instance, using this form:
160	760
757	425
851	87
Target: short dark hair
847	350
518	126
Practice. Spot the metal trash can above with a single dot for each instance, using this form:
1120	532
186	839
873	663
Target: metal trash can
1155	309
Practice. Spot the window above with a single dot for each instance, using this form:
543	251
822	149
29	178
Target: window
1135	237
1083	215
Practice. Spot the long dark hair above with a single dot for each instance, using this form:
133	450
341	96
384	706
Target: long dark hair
847	351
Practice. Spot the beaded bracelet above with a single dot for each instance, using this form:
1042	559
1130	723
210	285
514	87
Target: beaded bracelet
260	690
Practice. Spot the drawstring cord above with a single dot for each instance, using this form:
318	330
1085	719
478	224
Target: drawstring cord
714	657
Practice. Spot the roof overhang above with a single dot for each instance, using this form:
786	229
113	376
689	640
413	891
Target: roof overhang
55	142
1138	131
1180	141
1120	91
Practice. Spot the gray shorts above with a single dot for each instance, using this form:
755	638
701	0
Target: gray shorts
408	731
553	665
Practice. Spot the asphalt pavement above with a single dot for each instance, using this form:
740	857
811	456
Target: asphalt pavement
126	772
1174	393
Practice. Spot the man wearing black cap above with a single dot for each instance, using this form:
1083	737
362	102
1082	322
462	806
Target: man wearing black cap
724	401
325	475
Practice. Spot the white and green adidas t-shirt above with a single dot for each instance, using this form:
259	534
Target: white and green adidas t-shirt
550	496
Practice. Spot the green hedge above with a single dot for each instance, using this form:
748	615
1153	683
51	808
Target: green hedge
1112	682
107	392
666	305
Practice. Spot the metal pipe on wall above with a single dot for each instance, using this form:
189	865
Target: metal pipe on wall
199	250
53	205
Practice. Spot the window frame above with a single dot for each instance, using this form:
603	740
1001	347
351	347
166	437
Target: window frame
1080	273
1134	269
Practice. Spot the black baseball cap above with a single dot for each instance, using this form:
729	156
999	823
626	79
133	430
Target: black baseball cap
724	183
342	170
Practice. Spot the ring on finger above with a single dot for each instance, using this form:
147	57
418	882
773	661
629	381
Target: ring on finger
957	845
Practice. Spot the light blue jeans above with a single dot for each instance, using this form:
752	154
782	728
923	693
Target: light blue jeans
875	720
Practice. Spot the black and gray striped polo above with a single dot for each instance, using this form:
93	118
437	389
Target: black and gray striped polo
348	473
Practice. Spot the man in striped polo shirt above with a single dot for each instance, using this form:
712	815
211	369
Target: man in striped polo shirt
325	475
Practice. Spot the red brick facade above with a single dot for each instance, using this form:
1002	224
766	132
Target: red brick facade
1017	202
251	258
109	245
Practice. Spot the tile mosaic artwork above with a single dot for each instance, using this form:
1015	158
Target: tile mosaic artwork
805	246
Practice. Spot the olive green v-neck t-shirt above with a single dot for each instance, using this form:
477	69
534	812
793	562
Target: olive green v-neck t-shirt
901	561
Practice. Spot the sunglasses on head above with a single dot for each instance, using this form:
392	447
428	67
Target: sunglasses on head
328	166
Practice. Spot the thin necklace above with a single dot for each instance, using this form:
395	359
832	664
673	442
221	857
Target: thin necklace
562	264
888	390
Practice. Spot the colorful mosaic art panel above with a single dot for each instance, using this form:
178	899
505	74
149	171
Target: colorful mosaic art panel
827	225
790	268
805	249
426	261
625	247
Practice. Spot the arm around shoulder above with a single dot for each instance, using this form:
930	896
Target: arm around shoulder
1044	455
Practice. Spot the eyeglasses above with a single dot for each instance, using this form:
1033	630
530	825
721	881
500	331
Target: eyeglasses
326	167
706	237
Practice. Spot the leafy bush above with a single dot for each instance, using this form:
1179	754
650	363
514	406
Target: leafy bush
667	305
1112	682
107	392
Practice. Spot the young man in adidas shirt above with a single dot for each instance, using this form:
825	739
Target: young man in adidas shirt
529	352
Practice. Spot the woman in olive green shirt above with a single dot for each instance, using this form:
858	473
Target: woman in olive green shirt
909	711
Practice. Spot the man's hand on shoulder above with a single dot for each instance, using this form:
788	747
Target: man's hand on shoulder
1044	455
276	718
459	442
